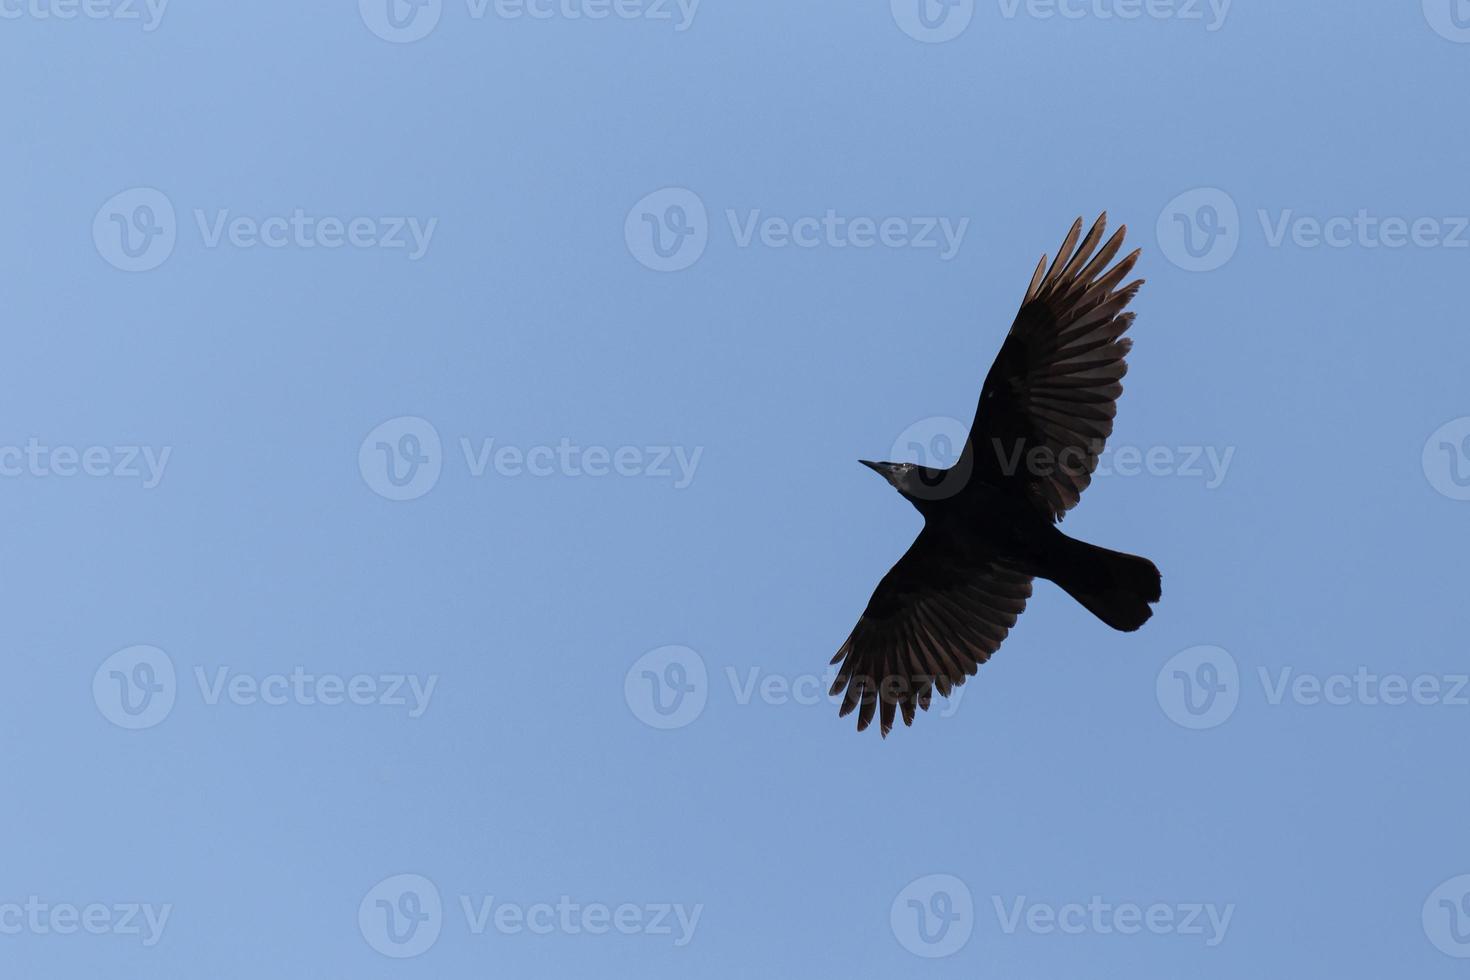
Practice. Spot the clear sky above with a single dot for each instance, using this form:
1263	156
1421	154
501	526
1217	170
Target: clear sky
428	457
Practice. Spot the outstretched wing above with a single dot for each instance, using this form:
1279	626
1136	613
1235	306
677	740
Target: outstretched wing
932	620
1047	405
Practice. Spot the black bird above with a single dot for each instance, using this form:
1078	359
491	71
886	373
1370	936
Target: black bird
1045	411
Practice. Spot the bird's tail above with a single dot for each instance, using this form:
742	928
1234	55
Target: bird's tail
1116	588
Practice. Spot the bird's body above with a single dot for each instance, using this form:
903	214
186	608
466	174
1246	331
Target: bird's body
1045	410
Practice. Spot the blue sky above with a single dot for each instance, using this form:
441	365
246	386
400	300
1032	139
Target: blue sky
429	451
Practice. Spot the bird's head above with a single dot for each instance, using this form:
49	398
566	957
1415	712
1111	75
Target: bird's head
897	474
922	486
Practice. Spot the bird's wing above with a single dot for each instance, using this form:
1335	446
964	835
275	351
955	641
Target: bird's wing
933	619
1047	405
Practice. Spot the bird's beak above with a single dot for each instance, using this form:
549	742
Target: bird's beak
875	467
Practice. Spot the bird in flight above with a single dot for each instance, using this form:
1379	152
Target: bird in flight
1046	410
